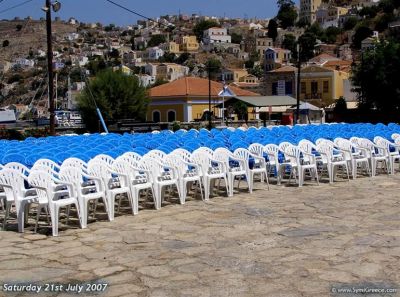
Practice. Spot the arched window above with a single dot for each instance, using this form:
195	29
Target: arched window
156	116
171	115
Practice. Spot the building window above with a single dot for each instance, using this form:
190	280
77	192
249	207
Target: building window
171	115
275	88
314	88
326	86
156	116
303	87
288	88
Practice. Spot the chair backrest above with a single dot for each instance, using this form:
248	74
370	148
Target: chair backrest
380	141
72	175
42	181
46	163
183	154
292	154
13	183
19	167
256	149
325	141
242	153
75	162
306	146
203	159
222	155
156	154
156	168
326	151
395	136
283	145
203	149
134	157
105	158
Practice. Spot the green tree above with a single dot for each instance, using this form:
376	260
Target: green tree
350	23
199	28
236	38
214	66
331	34
240	108
361	33
182	58
118	96
287	13
257	71
289	42
307	43
156	40
18	27
376	78
272	29
6	43
167	58
159	82
340	106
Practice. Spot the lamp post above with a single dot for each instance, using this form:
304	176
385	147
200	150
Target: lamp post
298	85
47	8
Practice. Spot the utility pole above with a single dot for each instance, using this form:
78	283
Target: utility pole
209	98
298	86
50	65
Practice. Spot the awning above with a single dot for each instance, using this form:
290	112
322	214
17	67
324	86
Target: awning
305	106
261	101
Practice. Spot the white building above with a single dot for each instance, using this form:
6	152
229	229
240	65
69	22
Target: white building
24	62
214	34
154	53
146	80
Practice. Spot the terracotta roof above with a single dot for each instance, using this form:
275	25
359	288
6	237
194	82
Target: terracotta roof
193	86
322	57
339	62
287	68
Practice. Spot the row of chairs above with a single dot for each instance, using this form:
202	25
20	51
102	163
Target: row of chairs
105	179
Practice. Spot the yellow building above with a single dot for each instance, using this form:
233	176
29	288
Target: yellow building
308	8
322	85
187	99
189	44
171	47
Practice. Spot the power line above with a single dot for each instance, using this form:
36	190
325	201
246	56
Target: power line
15	6
131	11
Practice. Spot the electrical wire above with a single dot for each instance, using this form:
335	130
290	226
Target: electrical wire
15	6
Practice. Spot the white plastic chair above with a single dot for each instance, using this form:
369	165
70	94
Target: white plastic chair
392	156
272	151
375	154
163	176
139	179
354	155
257	149
395	136
259	167
76	177
44	184
188	173
211	170
100	169
233	171
300	162
331	161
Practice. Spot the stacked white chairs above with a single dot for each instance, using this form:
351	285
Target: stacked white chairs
163	177
44	183
101	170
259	166
332	161
392	156
299	165
211	170
272	152
189	173
236	168
138	175
375	154
354	156
395	136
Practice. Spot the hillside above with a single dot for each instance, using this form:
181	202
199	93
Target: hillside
32	36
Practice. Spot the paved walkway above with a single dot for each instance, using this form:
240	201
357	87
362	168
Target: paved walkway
288	241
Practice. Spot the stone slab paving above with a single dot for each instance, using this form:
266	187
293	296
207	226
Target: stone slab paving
287	241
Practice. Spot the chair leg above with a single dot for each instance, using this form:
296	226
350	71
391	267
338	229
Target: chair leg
6	215
54	220
39	210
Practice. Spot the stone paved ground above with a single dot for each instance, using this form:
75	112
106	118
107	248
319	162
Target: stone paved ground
285	242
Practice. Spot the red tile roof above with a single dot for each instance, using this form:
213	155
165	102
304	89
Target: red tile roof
194	86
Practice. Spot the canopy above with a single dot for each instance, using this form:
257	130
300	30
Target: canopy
305	106
262	101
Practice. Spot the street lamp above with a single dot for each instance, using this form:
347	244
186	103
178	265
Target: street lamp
298	85
56	6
